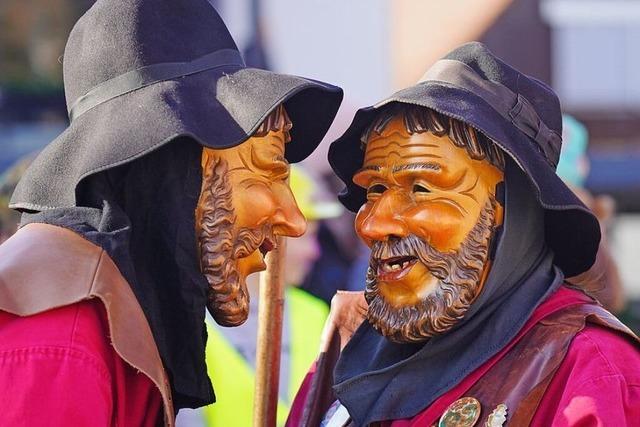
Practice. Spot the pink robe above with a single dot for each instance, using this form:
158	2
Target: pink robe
59	368
597	383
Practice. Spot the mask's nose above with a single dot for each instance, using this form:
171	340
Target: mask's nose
382	222
287	219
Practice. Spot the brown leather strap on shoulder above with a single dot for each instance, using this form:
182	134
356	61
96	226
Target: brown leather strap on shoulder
131	335
44	267
521	378
321	395
598	315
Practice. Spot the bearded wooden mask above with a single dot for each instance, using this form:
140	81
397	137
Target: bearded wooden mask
429	219
245	201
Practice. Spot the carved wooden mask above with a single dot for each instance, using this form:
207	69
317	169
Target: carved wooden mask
244	203
429	219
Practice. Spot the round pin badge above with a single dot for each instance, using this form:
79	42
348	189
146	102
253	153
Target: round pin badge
464	412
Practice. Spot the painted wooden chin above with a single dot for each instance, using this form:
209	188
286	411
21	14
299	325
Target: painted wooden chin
426	291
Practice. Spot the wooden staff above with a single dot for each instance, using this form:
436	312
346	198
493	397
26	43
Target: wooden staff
265	401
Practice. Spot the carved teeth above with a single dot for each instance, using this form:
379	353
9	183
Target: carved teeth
394	266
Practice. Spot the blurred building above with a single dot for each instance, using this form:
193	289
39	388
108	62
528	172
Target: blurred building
587	51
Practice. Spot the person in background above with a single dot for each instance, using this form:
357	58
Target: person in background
231	352
602	280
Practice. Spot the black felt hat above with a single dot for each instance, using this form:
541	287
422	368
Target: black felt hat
140	73
519	113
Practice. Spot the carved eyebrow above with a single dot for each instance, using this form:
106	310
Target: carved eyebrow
280	168
280	158
374	168
417	166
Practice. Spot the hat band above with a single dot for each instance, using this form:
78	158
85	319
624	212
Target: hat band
151	74
512	106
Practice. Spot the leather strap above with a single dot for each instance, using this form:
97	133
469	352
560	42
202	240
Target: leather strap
43	267
321	395
521	378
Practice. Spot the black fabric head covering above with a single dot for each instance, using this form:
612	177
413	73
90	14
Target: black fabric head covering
145	221
377	380
519	113
140	74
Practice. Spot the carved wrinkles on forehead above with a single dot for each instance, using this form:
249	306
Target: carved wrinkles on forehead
265	155
263	152
264	158
403	149
417	119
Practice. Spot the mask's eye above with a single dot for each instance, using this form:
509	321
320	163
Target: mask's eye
417	188
376	190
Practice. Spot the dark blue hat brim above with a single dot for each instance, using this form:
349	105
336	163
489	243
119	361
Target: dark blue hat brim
219	108
572	231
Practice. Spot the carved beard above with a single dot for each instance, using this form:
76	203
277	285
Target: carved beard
220	248
459	277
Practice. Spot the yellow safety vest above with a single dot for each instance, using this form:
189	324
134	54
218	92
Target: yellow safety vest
233	377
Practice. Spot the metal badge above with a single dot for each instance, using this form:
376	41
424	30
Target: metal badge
498	417
463	412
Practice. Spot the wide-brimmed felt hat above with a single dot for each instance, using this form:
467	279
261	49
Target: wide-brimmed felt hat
141	73
520	114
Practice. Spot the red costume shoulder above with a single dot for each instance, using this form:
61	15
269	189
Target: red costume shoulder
73	339
595	382
598	382
58	368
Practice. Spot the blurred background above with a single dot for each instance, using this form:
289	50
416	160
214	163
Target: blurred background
587	50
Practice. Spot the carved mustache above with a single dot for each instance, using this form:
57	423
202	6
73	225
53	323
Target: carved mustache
411	247
248	240
390	249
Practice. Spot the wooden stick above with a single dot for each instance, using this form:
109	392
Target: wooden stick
265	402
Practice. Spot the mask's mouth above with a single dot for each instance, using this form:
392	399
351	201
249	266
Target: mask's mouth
252	247
266	246
394	268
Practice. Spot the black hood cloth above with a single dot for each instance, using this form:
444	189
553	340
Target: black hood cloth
377	380
150	235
